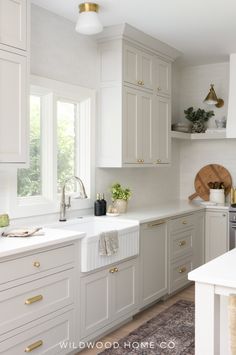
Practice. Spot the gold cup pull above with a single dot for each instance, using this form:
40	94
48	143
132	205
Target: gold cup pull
182	243
33	346
112	271
36	264
116	269
182	270
34	299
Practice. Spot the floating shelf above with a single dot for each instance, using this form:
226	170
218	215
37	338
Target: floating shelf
198	136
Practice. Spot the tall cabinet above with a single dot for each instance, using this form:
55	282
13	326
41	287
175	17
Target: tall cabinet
14	73
134	102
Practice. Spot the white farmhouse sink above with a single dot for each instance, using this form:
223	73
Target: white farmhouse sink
128	234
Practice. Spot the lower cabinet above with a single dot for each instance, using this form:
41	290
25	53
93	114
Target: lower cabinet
108	295
216	234
153	261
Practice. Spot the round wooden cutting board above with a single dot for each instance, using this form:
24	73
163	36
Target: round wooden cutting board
211	173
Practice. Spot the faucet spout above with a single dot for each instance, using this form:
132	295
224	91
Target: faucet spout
63	204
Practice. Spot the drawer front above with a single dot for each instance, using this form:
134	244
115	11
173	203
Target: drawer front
179	273
25	303
35	264
46	338
183	222
181	244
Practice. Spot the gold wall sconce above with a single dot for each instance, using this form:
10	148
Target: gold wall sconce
212	98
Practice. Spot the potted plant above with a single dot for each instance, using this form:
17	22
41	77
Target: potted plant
120	197
198	118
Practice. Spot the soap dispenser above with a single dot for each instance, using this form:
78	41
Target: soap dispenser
98	206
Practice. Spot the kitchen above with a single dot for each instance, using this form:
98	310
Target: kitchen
74	73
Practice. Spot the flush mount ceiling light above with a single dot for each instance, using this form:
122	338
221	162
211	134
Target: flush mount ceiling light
88	22
212	98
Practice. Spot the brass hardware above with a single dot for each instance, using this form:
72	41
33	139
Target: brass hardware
88	6
212	98
140	161
154	224
182	243
184	222
158	161
112	271
116	269
158	89
34	299
33	346
182	270
36	264
140	82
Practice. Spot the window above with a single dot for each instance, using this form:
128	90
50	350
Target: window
61	146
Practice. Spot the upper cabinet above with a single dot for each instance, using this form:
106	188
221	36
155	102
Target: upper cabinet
14	77
13	23
162	77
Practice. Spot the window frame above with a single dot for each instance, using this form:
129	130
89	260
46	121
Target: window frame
49	202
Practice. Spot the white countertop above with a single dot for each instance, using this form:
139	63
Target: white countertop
13	246
220	271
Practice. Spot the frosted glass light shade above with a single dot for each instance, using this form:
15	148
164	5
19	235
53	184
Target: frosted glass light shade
88	23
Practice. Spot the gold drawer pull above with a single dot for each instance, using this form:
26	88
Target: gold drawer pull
112	271
140	161
34	346
184	222
139	82
182	243
182	270
36	264
154	224
34	299
158	161
116	269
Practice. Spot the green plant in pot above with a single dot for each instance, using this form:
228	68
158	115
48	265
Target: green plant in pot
198	118
120	197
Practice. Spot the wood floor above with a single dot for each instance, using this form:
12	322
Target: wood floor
142	317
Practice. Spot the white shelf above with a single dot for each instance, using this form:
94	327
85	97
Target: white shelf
197	136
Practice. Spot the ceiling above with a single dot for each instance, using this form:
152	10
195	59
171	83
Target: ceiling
204	30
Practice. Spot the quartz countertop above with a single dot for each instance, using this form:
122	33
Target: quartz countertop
12	246
219	272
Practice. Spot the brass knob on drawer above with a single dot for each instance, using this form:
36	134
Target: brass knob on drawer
159	88
184	222
158	161
36	264
33	346
182	270
140	82
182	243
112	271
34	299
116	269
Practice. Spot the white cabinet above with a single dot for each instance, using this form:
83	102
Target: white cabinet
138	67
216	234
162	77
107	296
153	262
13	23
13	108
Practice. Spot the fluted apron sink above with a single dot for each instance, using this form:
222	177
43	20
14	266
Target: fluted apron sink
128	235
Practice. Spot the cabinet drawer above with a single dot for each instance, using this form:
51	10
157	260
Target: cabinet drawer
25	303
181	244
183	222
35	264
45	338
179	273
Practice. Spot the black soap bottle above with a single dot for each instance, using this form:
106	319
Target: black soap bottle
104	205
98	206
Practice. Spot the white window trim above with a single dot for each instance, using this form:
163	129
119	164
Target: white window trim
38	205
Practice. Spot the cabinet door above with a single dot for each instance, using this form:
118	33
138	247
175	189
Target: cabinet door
132	134
13	23
124	285
162	77
146	112
146	70
216	234
95	306
153	261
161	131
132	73
13	108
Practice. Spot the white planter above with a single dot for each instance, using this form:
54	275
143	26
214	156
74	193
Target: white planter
121	205
217	195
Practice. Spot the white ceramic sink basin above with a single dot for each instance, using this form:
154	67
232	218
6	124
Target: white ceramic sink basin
128	234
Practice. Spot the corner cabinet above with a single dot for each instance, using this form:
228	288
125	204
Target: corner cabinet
134	106
14	77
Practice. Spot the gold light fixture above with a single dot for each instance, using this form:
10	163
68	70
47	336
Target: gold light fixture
212	98
88	21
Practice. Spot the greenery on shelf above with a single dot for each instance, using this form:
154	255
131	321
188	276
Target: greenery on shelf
120	193
198	115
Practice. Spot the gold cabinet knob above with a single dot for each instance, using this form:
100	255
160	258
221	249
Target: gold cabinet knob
116	269
142	83
182	243
36	264
112	271
158	161
34	299
159	88
182	270
184	222
33	346
139	82
140	161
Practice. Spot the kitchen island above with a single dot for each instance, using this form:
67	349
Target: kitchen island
214	282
